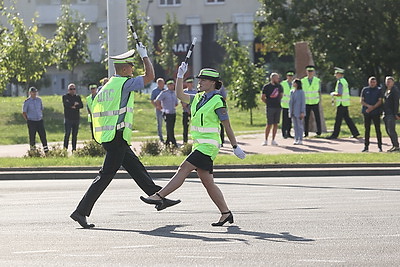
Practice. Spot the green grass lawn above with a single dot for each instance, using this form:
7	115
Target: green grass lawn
14	129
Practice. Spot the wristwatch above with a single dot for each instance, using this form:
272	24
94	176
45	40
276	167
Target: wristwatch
234	146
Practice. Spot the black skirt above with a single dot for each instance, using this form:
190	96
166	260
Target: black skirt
201	161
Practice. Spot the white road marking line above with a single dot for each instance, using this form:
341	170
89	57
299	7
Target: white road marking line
34	251
138	246
330	261
199	257
82	255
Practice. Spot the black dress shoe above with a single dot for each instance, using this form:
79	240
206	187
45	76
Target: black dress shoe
151	201
227	219
167	203
355	136
81	219
331	137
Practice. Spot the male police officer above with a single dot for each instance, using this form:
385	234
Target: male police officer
286	121
186	108
112	117
312	88
342	98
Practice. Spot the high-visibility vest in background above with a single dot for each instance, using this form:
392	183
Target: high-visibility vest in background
89	101
106	110
344	99
311	91
205	127
287	87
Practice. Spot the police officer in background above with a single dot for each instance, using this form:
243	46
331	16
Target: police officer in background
112	117
89	103
286	121
342	98
159	115
312	89
186	108
72	104
32	111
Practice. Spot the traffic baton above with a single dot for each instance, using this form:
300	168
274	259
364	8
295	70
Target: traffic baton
189	53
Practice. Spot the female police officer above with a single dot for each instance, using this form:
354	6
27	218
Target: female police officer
208	109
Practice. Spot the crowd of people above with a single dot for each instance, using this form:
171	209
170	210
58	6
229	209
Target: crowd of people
295	99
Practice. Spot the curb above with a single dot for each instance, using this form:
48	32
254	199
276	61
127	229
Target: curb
234	171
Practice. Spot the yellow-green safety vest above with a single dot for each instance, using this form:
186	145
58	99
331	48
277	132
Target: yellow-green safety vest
89	101
106	110
311	91
205	127
344	99
287	87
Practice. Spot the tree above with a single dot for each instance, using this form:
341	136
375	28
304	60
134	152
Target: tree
143	30
165	55
359	35
240	74
70	41
25	53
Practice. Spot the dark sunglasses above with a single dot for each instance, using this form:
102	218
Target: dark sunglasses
72	89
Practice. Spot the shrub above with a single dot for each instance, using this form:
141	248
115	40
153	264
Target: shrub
151	148
186	149
34	152
57	151
90	148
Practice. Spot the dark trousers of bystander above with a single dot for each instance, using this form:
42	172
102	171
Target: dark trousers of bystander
185	124
367	125
390	125
315	110
71	126
286	123
37	127
170	125
118	153
342	112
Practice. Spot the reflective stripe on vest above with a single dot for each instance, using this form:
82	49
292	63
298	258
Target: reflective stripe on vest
344	99
112	112
204	129
287	87
207	141
311	91
112	127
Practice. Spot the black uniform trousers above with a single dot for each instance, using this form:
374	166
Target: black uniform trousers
118	153
37	126
367	125
390	125
170	125
342	112
315	110
286	123
185	124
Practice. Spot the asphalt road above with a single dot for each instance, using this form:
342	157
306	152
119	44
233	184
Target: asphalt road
295	221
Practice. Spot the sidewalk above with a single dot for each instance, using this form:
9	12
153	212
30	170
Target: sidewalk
251	144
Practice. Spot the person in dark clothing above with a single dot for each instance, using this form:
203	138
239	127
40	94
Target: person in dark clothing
371	101
72	104
271	95
391	109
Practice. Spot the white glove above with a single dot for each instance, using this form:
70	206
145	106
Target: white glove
332	93
239	152
141	49
182	70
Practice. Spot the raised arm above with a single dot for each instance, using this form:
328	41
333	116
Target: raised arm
179	84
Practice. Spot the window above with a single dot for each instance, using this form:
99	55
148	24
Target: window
215	1
170	2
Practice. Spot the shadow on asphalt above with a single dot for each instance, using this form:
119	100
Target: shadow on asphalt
171	231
